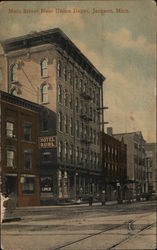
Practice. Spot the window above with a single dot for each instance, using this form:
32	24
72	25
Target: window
76	82
60	94
13	73
81	85
66	151
27	132
77	154
10	158
77	104
60	149
70	77
10	129
28	187
43	68
59	69
44	93
71	153
66	98
71	101
66	123
65	73
71	126
46	156
60	121
45	124
77	128
27	160
94	137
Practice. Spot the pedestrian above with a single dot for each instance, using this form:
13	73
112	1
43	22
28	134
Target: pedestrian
90	200
103	198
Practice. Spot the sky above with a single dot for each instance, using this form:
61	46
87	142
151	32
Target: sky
121	45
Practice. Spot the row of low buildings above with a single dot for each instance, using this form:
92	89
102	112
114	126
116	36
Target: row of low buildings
52	141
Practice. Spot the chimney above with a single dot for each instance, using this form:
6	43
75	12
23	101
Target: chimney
109	131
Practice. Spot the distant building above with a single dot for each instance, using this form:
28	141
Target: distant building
136	167
48	69
151	156
114	157
19	149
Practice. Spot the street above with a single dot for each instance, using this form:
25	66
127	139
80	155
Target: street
80	227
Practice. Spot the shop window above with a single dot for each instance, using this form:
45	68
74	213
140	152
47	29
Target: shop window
46	184
27	160
59	72
10	158
28	186
13	73
10	129
27	132
44	68
44	93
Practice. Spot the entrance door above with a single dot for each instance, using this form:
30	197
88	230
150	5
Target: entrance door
11	184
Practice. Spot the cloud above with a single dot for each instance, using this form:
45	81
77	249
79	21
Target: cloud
124	39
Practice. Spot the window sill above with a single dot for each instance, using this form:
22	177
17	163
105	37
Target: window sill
44	77
44	103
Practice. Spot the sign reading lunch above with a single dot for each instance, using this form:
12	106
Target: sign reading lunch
47	142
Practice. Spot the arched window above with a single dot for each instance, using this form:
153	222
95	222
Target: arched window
13	73
59	69
44	93
44	68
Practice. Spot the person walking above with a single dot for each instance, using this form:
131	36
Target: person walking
103	198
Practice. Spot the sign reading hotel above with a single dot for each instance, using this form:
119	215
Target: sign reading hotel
47	142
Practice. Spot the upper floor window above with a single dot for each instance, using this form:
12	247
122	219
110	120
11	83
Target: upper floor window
77	104
60	121
27	160
71	126
10	129
60	94
60	149
71	101
10	158
44	68
66	123
70	77
76	82
59	69
44	93
65	73
27	132
13	73
66	151
66	97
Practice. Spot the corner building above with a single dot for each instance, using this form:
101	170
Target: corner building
48	69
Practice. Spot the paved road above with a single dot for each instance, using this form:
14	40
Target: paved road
83	228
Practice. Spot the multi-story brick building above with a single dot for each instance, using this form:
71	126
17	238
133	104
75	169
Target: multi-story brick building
114	157
47	68
19	149
151	156
136	167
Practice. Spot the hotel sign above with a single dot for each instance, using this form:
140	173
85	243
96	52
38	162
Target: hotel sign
47	142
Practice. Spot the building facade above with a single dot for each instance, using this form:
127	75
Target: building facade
19	149
136	167
114	157
48	69
151	154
